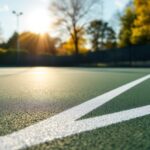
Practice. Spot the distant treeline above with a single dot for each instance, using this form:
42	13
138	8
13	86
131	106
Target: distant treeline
94	37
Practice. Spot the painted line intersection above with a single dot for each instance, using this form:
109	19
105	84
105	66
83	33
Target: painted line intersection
66	124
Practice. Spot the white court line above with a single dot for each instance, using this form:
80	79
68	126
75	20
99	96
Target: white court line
65	124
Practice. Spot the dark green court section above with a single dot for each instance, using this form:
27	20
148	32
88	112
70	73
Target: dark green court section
135	97
130	135
29	95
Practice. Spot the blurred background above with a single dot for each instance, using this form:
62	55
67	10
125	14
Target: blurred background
75	33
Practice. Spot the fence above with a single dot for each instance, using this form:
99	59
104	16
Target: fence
128	56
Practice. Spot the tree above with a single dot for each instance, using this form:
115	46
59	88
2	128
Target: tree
127	23
2	43
12	42
141	29
110	37
1	38
37	44
101	35
71	14
67	48
33	43
95	31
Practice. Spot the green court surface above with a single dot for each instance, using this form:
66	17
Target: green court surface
130	135
136	97
29	95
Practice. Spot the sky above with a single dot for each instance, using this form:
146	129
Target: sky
36	10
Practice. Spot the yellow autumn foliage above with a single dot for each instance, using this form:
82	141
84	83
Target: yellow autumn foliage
68	48
141	29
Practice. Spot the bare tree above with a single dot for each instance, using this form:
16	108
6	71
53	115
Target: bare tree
73	15
1	38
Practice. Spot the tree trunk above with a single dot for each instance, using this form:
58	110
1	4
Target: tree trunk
76	40
76	45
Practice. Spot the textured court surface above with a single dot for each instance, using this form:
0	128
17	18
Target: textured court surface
29	95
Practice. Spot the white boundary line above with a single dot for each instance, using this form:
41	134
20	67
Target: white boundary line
65	124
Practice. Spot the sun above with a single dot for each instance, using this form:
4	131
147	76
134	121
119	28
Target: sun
39	22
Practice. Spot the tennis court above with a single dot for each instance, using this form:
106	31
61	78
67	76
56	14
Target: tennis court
29	96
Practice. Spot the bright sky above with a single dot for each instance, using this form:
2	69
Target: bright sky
36	10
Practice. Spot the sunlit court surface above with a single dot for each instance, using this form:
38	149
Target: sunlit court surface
34	104
74	74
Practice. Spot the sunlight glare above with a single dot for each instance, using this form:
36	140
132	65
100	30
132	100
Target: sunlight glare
40	74
39	21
